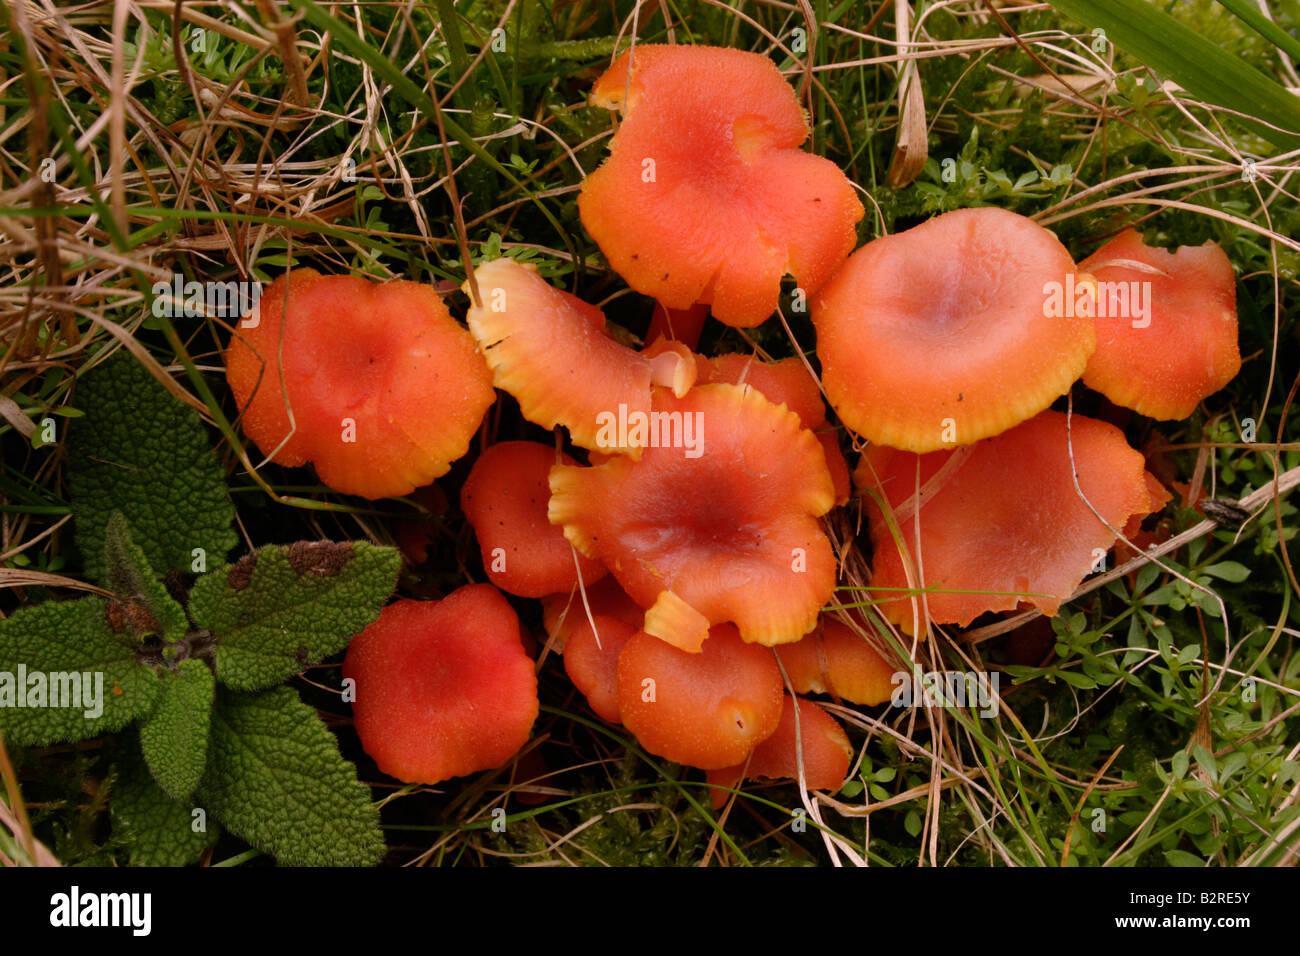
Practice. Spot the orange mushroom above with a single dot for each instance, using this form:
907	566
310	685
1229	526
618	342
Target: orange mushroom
385	389
706	710
562	613
443	688
706	196
1136	539
550	351
1000	524
681	325
834	660
722	528
505	499
591	661
1166	325
820	741
787	382
937	336
1158	496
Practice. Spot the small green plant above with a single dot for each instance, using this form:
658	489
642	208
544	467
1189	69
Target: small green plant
195	671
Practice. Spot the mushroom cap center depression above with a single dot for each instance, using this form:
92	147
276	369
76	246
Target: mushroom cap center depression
353	372
958	301
694	505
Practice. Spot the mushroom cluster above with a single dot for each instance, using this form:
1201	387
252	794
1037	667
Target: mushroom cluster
979	497
675	528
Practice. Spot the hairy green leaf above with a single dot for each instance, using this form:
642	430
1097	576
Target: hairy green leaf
131	579
275	778
140	451
175	736
66	674
157	830
283	607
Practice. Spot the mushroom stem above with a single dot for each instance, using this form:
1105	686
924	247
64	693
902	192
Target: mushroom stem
672	365
681	325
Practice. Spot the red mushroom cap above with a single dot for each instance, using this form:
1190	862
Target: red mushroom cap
786	382
834	660
562	613
386	389
789	383
706	196
728	535
1184	348
706	710
591	661
505	498
939	336
1158	496
1006	525
550	351
821	741
443	688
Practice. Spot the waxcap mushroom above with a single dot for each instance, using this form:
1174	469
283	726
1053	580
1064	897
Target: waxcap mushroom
1000	522
821	743
385	388
706	196
443	688
835	660
591	656
563	612
1166	325
939	336
549	349
785	382
706	710
722	530
505	498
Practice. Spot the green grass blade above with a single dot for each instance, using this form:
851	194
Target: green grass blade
1195	63
1248	13
450	25
403	86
